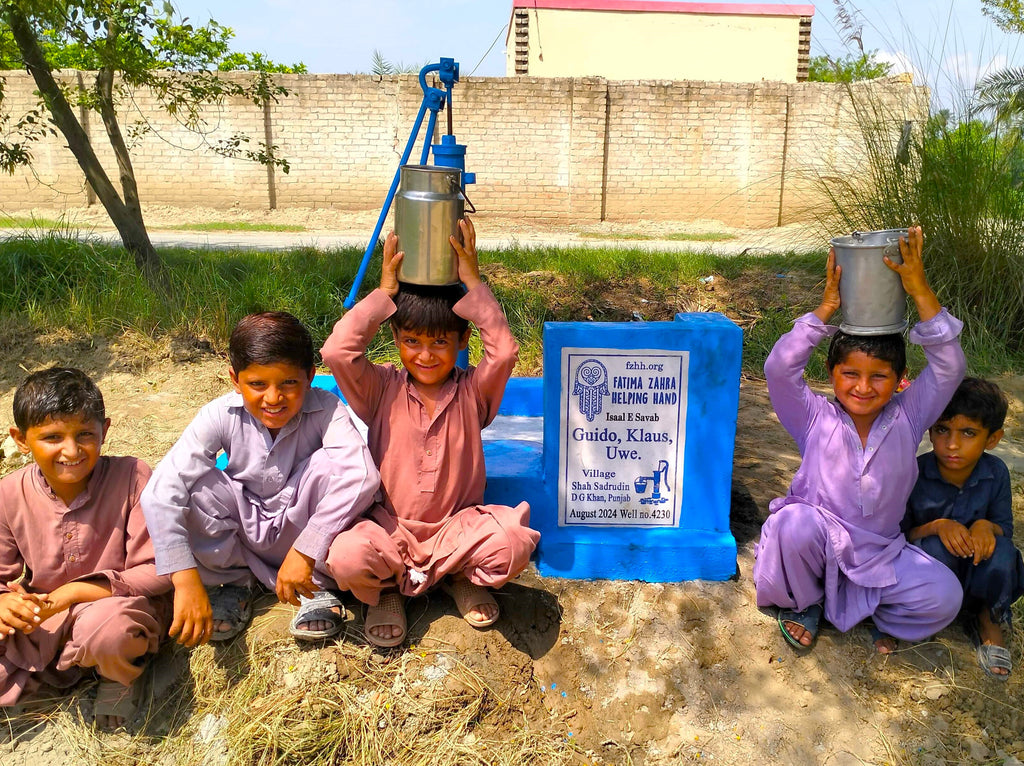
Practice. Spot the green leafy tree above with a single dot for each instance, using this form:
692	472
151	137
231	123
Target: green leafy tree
1003	91
125	45
257	62
847	69
1007	14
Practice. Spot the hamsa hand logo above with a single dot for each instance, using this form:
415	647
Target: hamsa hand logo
591	386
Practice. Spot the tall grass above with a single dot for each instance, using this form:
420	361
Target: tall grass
54	281
954	171
957	180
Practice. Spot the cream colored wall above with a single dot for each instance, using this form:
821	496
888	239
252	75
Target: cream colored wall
543	148
660	46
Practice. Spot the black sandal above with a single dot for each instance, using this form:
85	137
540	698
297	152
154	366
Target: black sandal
231	604
808	619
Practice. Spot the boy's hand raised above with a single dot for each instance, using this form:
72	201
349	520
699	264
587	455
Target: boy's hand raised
830	300
389	268
912	275
469	265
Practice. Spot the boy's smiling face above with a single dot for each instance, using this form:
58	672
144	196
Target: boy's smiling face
273	393
66	449
863	384
958	444
428	357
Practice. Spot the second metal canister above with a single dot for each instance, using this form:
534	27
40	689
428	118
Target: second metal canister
871	294
428	208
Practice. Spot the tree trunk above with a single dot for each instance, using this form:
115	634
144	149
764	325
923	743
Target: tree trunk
126	218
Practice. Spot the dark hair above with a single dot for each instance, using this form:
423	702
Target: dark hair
888	348
980	400
422	308
57	392
270	337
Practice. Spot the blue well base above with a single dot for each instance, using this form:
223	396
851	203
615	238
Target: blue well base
518	469
697	555
701	546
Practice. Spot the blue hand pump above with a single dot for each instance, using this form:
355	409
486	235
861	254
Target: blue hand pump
447	154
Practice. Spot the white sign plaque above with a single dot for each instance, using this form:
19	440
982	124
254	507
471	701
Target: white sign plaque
621	437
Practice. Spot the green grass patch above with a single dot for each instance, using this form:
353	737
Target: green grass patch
679	236
29	222
236	226
53	283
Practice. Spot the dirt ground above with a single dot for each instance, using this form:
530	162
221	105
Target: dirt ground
602	672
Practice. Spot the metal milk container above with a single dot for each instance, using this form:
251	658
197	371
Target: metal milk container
872	295
428	208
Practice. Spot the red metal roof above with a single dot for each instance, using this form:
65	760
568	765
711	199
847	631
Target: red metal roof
728	9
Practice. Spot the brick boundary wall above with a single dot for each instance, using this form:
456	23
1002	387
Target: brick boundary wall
556	149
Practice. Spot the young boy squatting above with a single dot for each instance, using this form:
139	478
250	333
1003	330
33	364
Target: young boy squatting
834	543
424	421
298	473
961	513
73	524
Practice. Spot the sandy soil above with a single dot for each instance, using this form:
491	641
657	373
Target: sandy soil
606	672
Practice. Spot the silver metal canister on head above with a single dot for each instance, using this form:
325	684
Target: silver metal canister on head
428	208
873	301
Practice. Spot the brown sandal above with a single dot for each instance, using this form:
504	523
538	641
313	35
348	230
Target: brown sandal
390	610
468	596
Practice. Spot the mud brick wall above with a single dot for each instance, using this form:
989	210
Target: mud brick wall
566	150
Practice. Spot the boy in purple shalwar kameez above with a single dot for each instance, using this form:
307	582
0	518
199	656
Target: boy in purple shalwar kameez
834	543
298	474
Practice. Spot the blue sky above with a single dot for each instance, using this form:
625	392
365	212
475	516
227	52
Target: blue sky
945	42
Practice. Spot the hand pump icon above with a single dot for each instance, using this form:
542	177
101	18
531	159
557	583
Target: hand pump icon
660	475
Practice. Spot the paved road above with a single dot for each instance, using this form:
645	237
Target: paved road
768	241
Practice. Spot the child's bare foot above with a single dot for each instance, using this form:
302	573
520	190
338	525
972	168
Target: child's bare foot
385	623
884	643
115	704
995	663
798	632
474	602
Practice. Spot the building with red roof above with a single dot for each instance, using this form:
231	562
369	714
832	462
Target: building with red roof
652	40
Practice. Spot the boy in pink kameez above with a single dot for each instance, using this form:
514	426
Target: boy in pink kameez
78	587
424	434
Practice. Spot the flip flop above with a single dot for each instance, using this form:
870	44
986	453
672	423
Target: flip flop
320	607
468	596
390	610
231	604
990	656
808	619
116	700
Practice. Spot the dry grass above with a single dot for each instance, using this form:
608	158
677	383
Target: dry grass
266	700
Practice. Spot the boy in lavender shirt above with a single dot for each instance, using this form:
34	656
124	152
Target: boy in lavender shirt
961	514
834	543
78	589
298	473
